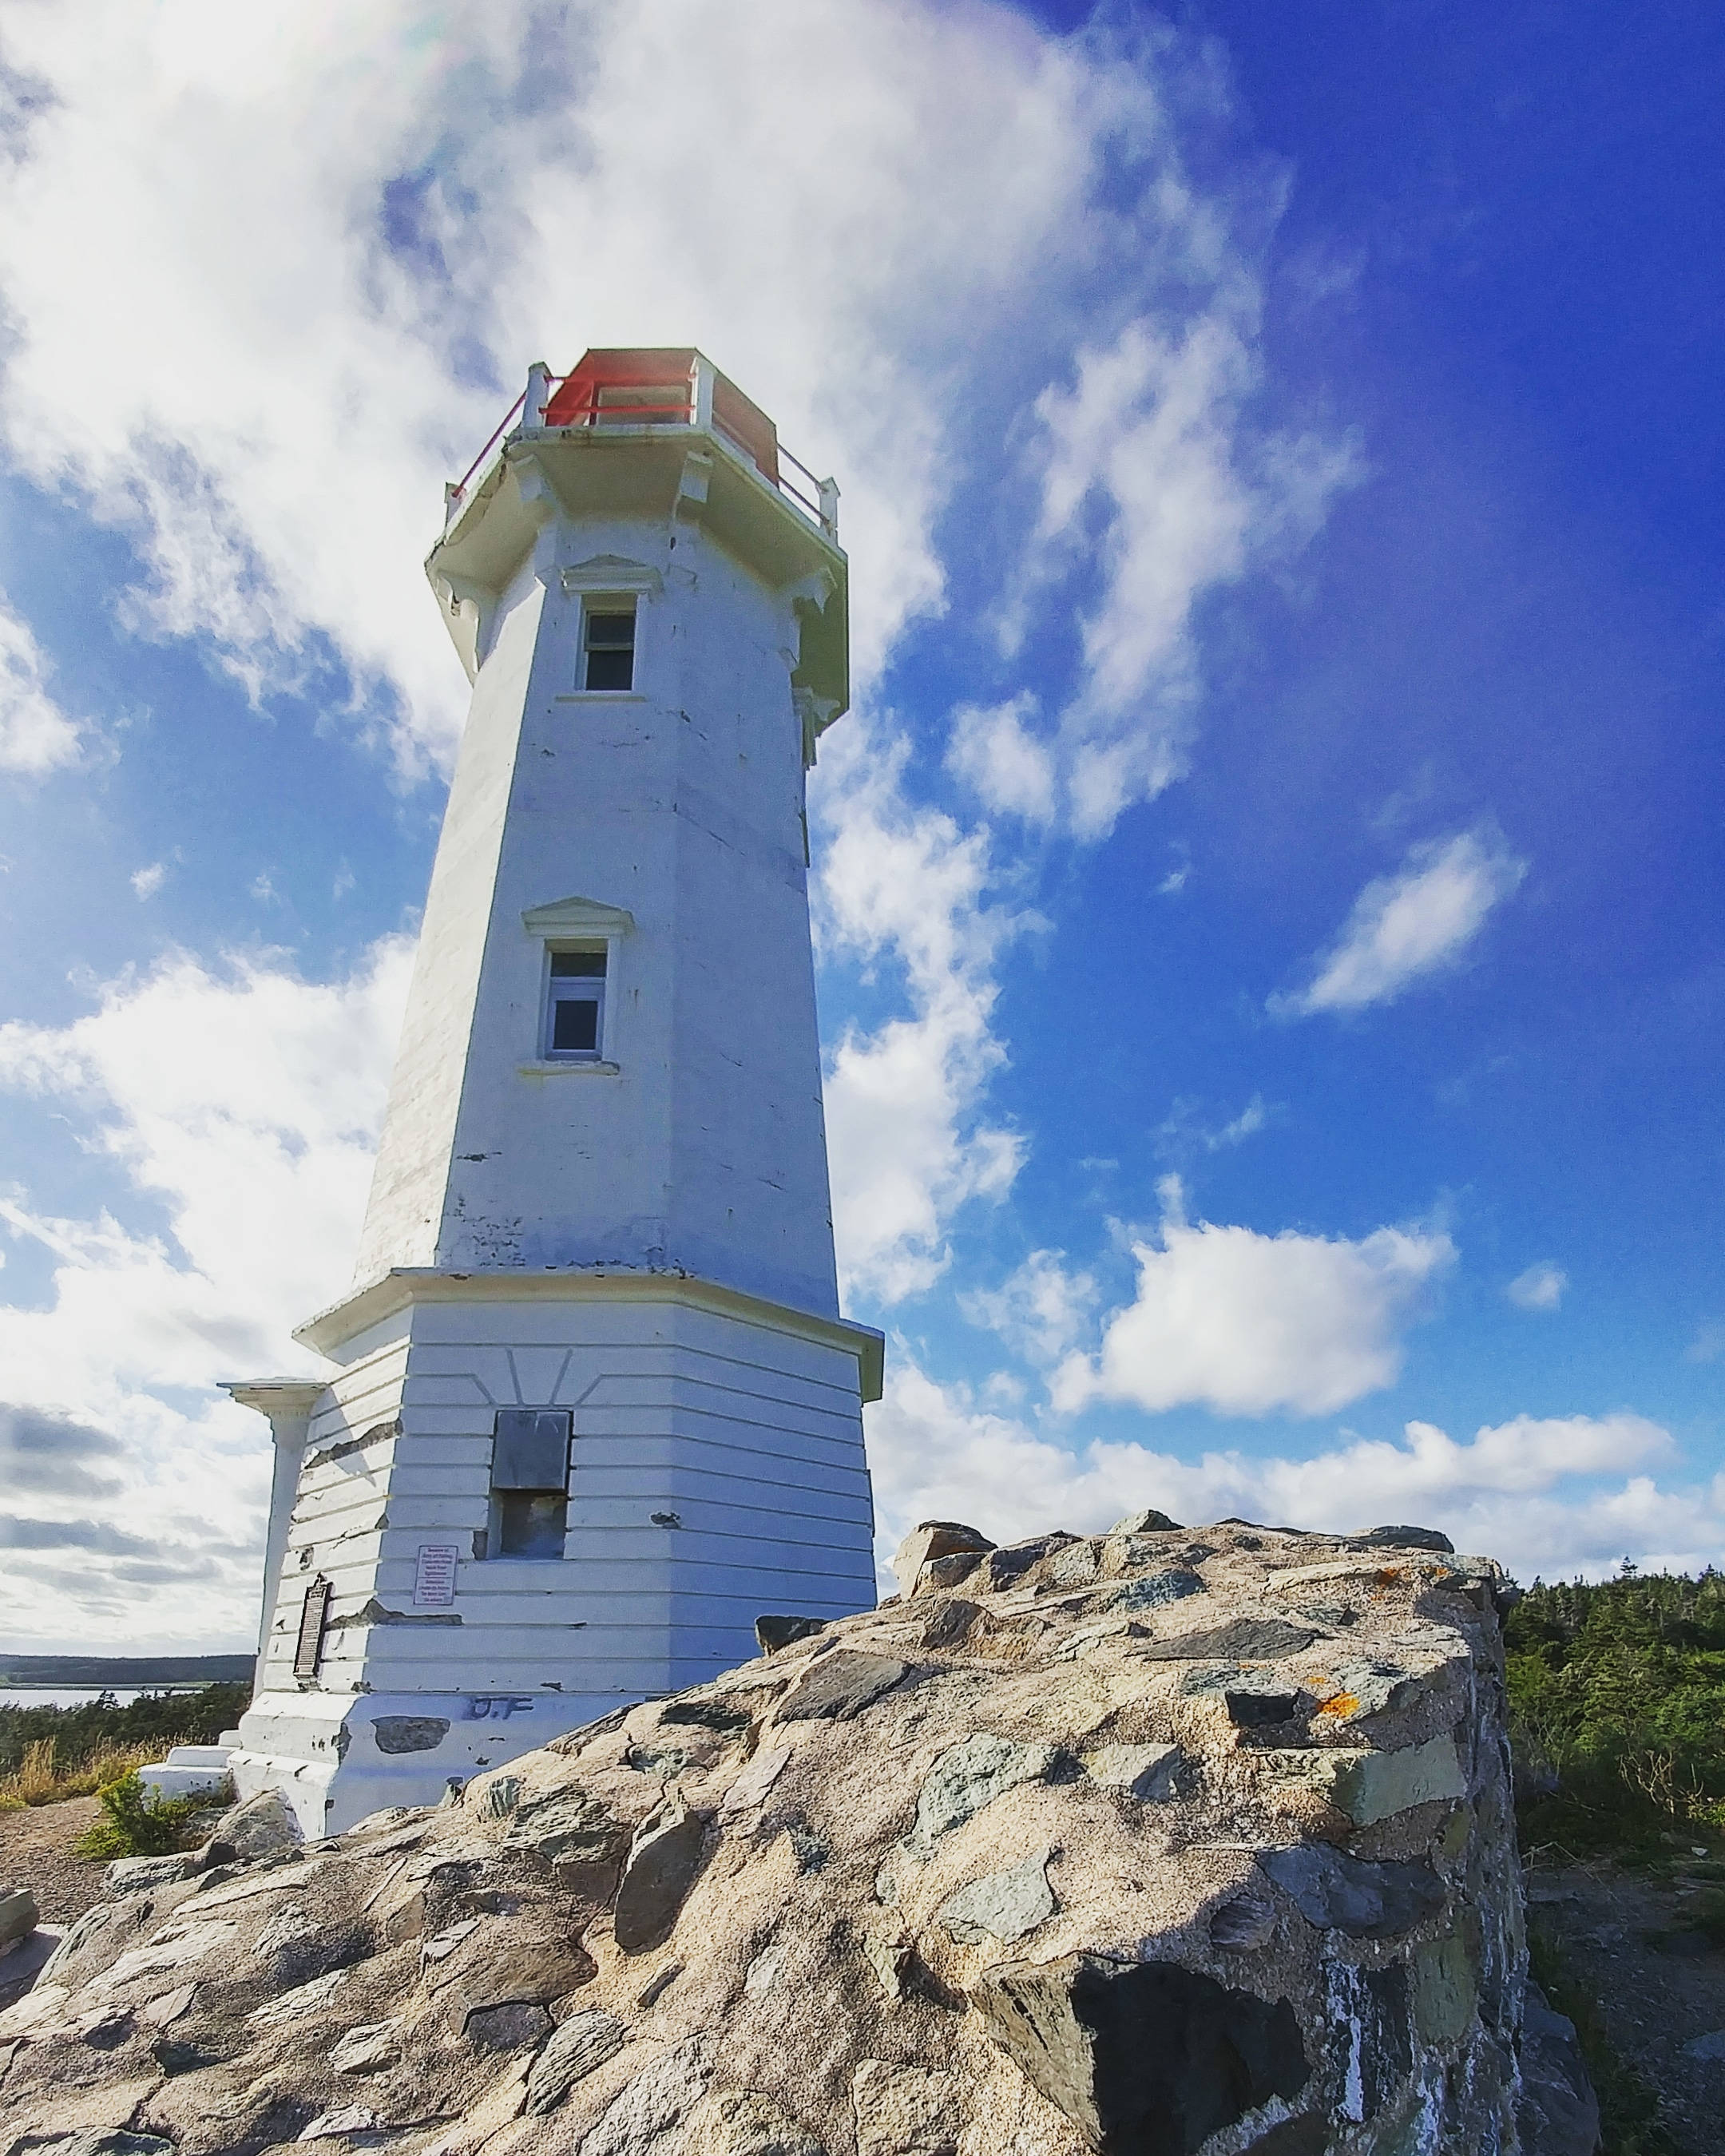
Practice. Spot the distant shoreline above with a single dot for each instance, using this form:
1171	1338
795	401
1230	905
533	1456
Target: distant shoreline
75	1672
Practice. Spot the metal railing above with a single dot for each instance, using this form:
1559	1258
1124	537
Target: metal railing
818	501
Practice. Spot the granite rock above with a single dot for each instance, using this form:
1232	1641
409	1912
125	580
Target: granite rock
839	1685
18	1914
663	1861
576	2048
1132	1849
264	1825
1150	1773
772	1633
1558	2113
1147	1522
1151	2057
1003	1905
926	1544
1341	1893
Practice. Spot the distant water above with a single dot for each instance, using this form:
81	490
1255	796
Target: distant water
50	1695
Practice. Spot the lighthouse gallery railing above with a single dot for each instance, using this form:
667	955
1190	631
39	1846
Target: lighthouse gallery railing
652	402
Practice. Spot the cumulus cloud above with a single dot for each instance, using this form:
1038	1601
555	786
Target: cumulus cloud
1041	1310
145	882
905	887
240	1105
992	234
994	752
1555	1495
1244	1323
36	736
432	227
976	244
1418	921
1145	461
1541	1287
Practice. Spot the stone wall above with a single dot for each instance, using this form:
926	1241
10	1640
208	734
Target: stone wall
1160	1842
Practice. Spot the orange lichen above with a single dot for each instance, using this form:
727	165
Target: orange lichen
1344	1702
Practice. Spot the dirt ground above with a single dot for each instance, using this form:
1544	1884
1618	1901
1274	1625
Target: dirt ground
1659	1988
35	1851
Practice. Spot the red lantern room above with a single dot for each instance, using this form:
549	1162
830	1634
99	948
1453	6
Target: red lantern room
648	429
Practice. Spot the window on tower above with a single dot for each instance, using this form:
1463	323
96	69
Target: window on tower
608	644
575	1009
530	1482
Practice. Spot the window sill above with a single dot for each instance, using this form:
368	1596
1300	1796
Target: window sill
560	1066
599	697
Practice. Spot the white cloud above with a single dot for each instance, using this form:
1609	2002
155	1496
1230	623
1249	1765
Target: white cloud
1148	464
913	231
1708	1344
1185	1132
1418	921
36	736
907	1142
148	882
1243	1323
1552	1495
336	237
1541	1287
855	206
241	1106
1010	770
1041	1310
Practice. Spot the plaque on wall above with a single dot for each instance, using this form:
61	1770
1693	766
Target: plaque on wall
435	1575
314	1611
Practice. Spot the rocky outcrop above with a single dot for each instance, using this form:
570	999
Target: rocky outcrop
1153	1843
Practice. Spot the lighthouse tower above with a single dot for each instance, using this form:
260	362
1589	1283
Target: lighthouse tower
594	1409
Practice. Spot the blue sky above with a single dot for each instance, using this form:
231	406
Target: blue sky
1272	962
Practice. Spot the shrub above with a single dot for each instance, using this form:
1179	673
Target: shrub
135	1822
1617	1697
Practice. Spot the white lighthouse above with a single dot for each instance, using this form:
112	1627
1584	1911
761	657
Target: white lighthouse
594	1409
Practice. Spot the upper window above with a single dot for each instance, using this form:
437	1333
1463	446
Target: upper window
575	1010
607	643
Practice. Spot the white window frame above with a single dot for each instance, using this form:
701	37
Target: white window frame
576	924
598	603
610	584
550	998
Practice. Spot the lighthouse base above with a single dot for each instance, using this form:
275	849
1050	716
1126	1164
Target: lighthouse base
715	1472
337	1761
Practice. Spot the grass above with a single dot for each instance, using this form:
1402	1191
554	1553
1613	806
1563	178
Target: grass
47	1753
39	1778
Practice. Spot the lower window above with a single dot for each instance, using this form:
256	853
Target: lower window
530	1482
531	1523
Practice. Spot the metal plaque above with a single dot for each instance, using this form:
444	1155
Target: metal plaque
314	1614
435	1575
